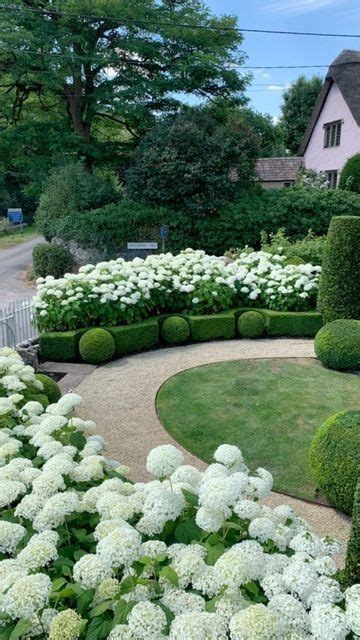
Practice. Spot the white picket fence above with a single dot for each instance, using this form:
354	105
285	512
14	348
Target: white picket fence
16	324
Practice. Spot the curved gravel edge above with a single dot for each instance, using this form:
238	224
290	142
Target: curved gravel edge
120	398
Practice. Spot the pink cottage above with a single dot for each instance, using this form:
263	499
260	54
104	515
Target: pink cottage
333	134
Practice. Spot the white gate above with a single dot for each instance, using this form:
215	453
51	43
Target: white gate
16	324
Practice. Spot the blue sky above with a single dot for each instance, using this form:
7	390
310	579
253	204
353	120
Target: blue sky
339	16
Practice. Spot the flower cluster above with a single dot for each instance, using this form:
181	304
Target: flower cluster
118	291
88	554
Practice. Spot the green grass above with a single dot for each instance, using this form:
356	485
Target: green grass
270	408
17	237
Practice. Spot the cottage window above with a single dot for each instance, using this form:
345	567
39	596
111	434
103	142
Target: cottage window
332	176
332	134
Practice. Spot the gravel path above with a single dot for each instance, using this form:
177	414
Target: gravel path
120	397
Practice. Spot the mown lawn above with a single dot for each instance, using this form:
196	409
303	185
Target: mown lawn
16	237
270	408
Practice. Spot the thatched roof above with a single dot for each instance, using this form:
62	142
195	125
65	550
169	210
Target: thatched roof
278	169
345	72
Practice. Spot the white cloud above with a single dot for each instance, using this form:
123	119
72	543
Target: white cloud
278	87
300	6
261	73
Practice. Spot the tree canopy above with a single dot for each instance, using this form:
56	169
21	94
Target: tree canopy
87	82
297	107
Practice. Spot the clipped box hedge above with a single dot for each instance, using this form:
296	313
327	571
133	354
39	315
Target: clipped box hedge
135	337
64	346
220	325
61	346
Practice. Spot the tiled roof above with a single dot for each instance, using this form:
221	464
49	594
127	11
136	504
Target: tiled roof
278	169
345	72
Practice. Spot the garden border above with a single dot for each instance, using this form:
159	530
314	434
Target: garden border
142	336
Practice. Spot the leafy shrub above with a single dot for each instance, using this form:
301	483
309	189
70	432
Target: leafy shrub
135	337
72	190
337	345
51	260
172	284
289	323
350	175
339	290
309	249
251	324
352	565
193	162
61	346
50	387
335	458
221	325
175	330
96	346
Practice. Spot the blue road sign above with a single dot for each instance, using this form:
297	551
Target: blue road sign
15	216
163	231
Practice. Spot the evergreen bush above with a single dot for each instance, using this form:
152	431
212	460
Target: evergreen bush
175	330
96	346
51	260
337	345
335	458
51	388
352	562
339	290
350	175
251	324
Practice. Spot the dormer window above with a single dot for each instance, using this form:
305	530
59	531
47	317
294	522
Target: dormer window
332	134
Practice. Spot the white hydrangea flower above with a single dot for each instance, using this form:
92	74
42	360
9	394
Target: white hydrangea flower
40	551
326	590
11	490
120	547
162	461
55	510
209	520
328	621
26	596
262	529
147	621
292	614
188	626
120	632
10	536
228	455
90	571
256	622
179	601
352	600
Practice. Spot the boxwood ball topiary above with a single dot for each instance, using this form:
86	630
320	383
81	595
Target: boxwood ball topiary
175	330
335	458
96	346
337	345
51	389
339	290
251	324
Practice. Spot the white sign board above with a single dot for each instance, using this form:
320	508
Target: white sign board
142	245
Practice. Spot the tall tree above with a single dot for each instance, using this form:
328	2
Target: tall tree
297	107
270	135
110	61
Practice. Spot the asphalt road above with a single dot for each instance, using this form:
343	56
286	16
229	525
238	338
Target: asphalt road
13	264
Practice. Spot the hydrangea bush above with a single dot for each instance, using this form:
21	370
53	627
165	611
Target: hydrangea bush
119	292
190	555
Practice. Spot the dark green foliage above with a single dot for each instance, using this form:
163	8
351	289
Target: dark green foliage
291	323
309	249
335	458
175	330
61	346
36	395
135	337
350	175
352	562
251	324
339	290
51	388
96	346
184	162
51	260
270	135
294	210
221	325
297	108
337	345
72	190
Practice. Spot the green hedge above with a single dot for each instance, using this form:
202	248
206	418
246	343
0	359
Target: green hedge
175	330
96	345
51	260
251	324
220	325
337	345
135	337
290	323
51	388
64	346
352	564
295	210
335	458
339	289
